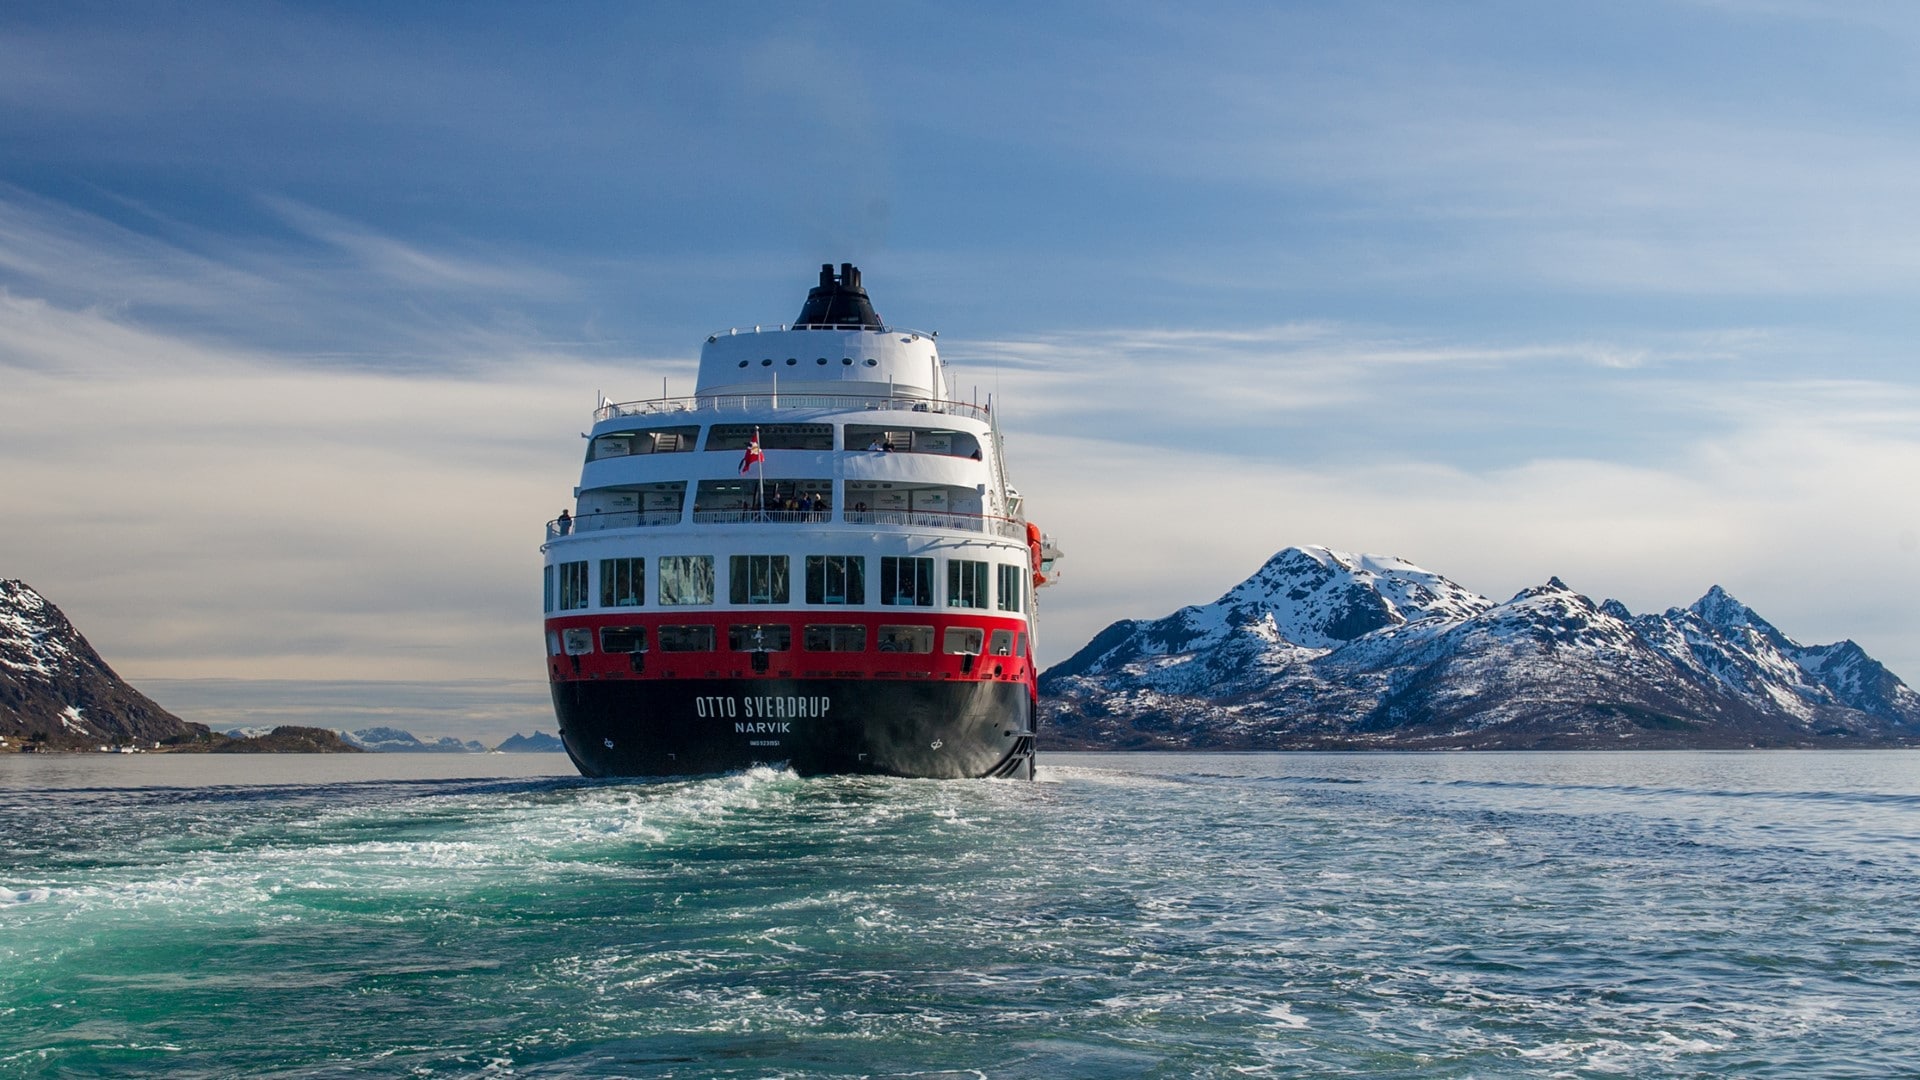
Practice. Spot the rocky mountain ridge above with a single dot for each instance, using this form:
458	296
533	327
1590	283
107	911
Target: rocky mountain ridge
53	684
538	742
1328	649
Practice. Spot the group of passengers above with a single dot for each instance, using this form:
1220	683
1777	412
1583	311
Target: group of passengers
792	503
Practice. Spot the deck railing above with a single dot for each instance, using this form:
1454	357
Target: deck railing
614	519
761	517
923	519
748	403
939	519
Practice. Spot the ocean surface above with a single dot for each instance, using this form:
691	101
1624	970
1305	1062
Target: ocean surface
1279	915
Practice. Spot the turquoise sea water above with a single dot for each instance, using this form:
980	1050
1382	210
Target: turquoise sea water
1645	915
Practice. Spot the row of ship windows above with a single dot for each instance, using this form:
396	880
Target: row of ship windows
818	361
778	637
681	438
791	499
689	580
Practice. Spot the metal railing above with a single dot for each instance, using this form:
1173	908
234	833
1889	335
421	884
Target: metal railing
922	519
784	327
746	403
615	519
761	517
940	519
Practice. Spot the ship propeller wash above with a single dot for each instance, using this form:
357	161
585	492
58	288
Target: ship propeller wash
816	560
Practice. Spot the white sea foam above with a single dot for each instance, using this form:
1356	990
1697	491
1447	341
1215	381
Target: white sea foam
1188	925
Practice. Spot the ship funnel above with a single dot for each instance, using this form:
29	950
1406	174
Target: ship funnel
838	301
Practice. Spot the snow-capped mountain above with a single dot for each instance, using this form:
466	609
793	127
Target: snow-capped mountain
1324	648
387	740
54	685
537	743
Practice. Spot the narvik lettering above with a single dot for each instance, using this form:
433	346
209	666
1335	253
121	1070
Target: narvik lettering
726	706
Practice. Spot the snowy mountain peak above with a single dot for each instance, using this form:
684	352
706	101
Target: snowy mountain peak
1721	611
32	633
1554	591
1316	598
1301	602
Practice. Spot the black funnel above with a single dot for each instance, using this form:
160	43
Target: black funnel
838	301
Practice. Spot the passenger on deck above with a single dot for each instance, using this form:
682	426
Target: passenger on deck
565	523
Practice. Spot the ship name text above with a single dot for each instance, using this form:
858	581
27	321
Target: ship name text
761	707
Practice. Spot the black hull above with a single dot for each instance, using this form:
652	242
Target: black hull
677	727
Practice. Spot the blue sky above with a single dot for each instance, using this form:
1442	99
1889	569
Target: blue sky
302	306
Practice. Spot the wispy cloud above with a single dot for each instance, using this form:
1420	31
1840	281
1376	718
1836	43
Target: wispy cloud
394	262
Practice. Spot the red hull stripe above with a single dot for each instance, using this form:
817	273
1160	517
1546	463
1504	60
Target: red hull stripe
792	663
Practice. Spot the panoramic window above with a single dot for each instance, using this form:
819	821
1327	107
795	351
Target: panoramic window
906	581
685	579
772	436
912	440
905	639
623	639
546	588
836	579
833	637
1013	585
665	440
759	637
966	583
1001	643
686	638
623	582
573	585
757	579
962	640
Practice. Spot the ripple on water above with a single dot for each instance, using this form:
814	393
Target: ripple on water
1314	915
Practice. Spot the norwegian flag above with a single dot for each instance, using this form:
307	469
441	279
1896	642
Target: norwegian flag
753	453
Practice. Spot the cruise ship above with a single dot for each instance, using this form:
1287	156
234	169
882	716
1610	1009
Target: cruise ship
815	561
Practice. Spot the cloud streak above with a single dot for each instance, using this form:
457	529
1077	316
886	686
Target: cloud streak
299	312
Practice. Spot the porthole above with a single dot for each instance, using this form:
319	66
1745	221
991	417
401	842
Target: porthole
871	362
743	363
821	361
846	359
767	362
791	361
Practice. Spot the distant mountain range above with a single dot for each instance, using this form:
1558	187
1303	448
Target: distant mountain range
1323	649
390	740
386	740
